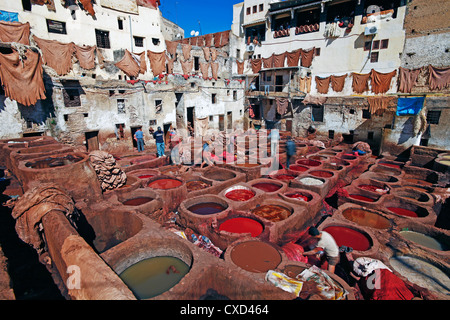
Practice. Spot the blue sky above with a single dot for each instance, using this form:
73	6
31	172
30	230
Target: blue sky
214	16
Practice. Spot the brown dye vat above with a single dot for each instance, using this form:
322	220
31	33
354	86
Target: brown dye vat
318	158
380	177
272	213
255	256
385	170
347	156
248	165
362	198
267	186
219	175
195	185
52	162
418	182
172	191
164	184
308	162
321	173
415	195
137	201
404	208
207	208
366	218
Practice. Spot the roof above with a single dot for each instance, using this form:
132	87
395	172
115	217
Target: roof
289	4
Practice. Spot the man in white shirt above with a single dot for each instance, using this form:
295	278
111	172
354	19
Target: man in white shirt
327	244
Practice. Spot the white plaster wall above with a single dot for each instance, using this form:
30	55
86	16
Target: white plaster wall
10	119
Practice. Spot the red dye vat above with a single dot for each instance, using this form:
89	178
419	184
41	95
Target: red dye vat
396	166
284	177
369	187
362	198
349	237
206	208
298	196
321	174
240	195
146	176
242	225
308	162
267	187
403	212
137	201
164	184
298	168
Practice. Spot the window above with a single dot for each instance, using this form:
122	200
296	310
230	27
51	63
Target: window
376	45
138	41
370	135
120	105
374	57
317	53
214	98
71	98
384	44
152	122
211	118
196	63
234	95
331	134
433	116
158	106
238	53
120	23
26	4
102	38
54	26
248	11
366	114
261	7
317	113
367	45
255	9
156	41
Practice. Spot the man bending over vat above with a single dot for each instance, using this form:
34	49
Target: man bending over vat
325	245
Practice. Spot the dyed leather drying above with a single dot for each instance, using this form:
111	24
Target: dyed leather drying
256	65
204	69
225	38
407	79
377	105
142	63
360	82
157	62
439	78
187	66
171	47
186	48
152	4
206	53
201	41
305	84
86	56
15	32
213	54
293	58
309	99
22	80
128	65
381	82
56	55
170	63
208	40
307	57
240	67
268	62
217	38
215	70
278	60
322	84
337	82
87	5
282	105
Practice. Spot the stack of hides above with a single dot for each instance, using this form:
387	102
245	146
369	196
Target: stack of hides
108	172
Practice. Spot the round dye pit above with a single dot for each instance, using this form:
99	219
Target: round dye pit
366	218
373	188
347	156
196	185
146	176
349	237
206	208
390	165
362	198
255	256
298	168
404	212
311	181
137	201
321	174
247	165
164	184
308	162
219	175
52	162
300	196
423	240
284	177
267	186
242	225
240	194
272	212
419	182
151	277
422	273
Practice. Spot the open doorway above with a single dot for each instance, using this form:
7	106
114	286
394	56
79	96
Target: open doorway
221	122
91	140
190	114
229	120
133	131
166	132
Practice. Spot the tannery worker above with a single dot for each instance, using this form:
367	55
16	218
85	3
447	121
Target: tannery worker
327	244
159	137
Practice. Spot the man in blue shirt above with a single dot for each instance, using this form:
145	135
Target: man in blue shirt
139	137
159	137
291	149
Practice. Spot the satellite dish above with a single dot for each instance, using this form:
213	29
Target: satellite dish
373	9
197	33
192	32
178	35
